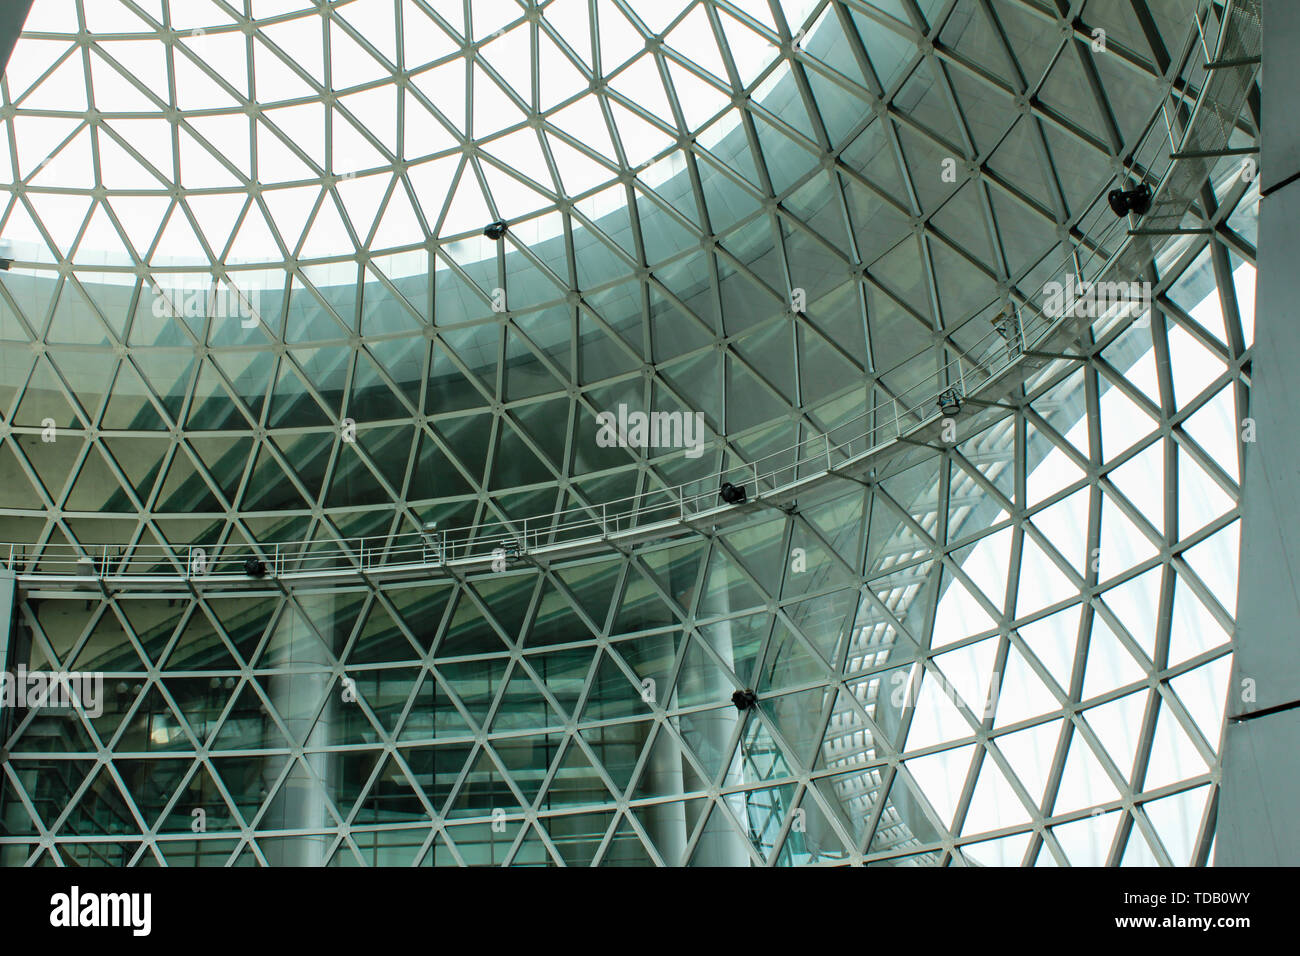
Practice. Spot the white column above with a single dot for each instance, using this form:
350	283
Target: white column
1261	769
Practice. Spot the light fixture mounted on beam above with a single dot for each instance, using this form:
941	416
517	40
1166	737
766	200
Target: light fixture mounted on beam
950	401
733	494
1124	201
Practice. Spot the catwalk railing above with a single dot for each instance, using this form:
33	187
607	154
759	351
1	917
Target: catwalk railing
1017	329
903	414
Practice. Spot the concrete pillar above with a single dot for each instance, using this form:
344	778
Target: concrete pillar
721	844
302	803
666	822
1261	766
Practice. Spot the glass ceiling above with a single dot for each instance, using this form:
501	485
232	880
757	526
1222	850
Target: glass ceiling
672	175
675	177
411	119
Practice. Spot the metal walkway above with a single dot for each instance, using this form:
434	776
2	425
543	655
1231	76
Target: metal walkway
1021	340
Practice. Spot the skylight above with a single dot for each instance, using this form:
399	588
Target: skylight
302	133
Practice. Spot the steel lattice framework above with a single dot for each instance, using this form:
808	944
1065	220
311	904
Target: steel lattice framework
1012	648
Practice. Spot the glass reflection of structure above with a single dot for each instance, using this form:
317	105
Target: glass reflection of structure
1079	553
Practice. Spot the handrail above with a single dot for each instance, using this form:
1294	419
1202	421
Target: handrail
917	407
866	433
905	412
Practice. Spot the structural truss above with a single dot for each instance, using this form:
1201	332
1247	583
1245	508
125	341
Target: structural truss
252	302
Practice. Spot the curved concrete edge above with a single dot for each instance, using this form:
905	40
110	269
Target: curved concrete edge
1261	740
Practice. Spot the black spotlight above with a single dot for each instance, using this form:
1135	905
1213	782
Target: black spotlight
1124	201
732	494
950	402
5	264
495	230
744	699
255	568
